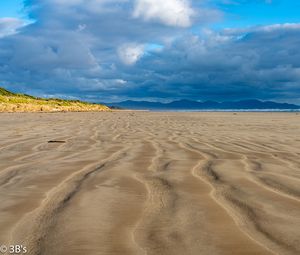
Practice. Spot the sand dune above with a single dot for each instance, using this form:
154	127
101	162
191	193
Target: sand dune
150	183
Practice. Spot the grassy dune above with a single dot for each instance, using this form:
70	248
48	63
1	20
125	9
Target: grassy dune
11	102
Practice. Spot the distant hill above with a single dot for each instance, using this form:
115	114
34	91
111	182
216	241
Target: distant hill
206	105
12	102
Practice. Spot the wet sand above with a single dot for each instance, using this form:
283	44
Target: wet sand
150	183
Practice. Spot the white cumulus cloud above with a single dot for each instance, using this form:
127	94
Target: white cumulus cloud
130	53
9	26
169	12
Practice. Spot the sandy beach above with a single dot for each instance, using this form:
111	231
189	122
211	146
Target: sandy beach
150	183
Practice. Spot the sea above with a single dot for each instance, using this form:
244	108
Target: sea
227	110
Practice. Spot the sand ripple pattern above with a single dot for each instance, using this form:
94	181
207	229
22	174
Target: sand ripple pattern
150	183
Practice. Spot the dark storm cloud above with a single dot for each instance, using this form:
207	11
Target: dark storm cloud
262	63
113	50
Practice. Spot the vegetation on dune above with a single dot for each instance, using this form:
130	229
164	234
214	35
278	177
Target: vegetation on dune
12	102
4	92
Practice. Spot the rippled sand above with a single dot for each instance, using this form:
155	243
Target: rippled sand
150	183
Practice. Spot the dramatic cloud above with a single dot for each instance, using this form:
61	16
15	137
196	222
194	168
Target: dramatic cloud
110	50
170	12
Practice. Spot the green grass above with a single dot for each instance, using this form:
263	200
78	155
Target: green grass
10	100
4	92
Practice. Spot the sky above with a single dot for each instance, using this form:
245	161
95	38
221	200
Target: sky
115	50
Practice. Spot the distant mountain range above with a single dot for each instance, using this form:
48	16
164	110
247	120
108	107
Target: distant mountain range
205	105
